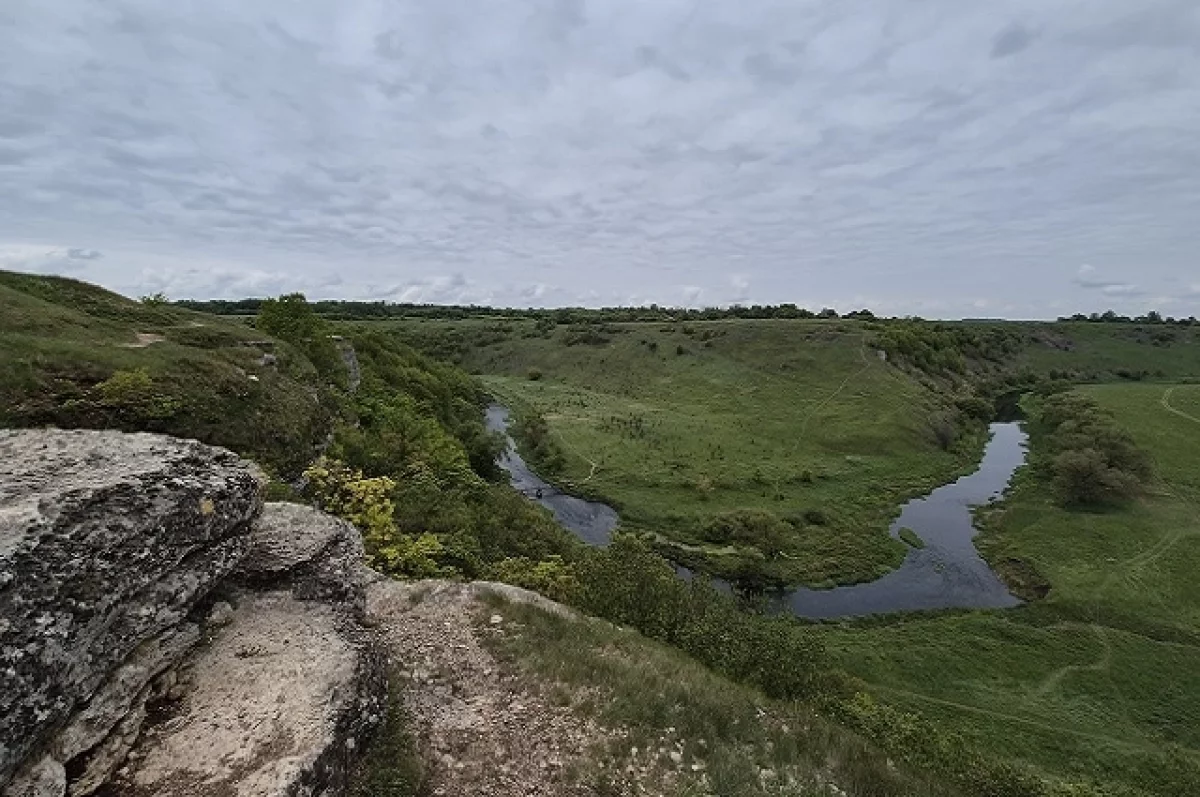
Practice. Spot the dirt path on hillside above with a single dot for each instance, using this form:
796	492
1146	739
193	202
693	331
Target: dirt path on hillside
1165	401
480	730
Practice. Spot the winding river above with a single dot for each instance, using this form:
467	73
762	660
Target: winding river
947	573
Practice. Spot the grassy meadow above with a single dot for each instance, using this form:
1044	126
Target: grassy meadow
76	355
1101	678
681	424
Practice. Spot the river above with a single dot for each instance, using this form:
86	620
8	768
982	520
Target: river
947	573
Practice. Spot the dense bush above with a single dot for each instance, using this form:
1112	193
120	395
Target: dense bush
755	528
133	396
629	584
1091	460
947	349
538	444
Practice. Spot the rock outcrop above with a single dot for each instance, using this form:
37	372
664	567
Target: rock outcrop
119	555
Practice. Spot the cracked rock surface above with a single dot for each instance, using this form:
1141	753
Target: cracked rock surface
161	632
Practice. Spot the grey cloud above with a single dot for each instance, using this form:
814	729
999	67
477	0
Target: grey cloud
84	254
1088	278
41	260
608	151
1012	40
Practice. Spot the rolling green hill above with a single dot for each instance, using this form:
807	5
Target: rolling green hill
764	449
76	355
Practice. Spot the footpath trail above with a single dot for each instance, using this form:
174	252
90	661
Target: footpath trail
972	709
1165	401
1133	570
862	354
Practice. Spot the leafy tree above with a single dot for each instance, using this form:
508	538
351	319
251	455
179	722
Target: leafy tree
291	318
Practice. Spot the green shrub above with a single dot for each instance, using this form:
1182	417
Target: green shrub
133	396
1083	476
552	577
1090	459
627	583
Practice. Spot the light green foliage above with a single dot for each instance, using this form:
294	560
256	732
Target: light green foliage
133	395
367	502
552	577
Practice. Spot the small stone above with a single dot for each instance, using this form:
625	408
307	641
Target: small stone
221	614
496	619
676	757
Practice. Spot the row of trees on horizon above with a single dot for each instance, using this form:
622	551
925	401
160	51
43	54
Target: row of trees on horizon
360	310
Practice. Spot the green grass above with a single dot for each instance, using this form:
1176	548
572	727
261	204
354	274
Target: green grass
391	765
1101	679
1100	351
60	339
777	416
911	538
662	701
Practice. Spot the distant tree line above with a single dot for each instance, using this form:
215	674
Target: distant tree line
365	311
1111	317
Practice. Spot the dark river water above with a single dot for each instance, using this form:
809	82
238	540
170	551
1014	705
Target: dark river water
947	573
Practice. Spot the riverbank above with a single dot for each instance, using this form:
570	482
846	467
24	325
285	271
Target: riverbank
771	453
946	573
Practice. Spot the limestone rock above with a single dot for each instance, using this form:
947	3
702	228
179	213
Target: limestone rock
278	705
107	541
319	555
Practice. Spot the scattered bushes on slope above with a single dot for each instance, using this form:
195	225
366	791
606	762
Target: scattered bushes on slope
78	356
629	584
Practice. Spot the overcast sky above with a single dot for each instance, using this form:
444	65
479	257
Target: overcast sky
945	158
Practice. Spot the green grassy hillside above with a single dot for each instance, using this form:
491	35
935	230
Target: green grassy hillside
1103	352
685	426
75	355
1102	677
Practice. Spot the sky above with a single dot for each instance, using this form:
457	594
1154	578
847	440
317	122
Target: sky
1017	158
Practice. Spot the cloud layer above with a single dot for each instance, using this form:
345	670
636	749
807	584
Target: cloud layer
941	158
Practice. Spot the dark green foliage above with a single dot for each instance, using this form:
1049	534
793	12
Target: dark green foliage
1091	460
586	335
629	584
538	445
816	517
947	349
756	528
291	318
976	407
